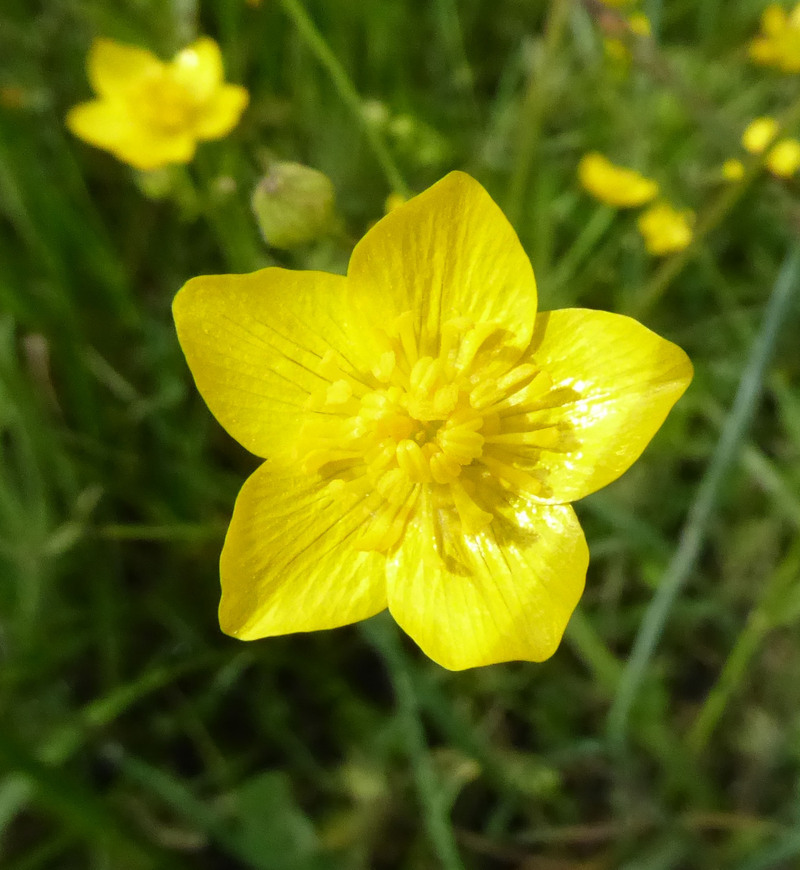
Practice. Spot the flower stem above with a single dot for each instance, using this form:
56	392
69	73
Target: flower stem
316	43
702	509
382	634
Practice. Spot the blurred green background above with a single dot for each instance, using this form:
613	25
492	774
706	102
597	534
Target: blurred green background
133	734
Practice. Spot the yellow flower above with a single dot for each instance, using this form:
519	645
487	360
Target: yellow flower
614	185
779	43
617	49
784	158
664	229
732	169
759	134
150	113
424	431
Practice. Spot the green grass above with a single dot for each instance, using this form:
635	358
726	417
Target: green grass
665	731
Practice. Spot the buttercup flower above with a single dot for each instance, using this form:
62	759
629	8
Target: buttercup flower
424	430
614	185
758	134
616	49
732	169
783	159
149	113
779	42
664	229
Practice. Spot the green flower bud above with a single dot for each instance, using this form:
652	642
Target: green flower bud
293	204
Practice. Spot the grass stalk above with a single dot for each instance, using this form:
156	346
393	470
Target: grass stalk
316	43
708	494
761	621
534	104
383	635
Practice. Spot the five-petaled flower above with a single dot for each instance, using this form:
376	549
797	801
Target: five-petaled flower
614	185
779	43
424	431
149	113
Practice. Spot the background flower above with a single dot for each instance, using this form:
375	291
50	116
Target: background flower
614	185
149	113
666	229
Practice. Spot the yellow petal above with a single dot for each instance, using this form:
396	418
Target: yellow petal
503	594
113	67
614	185
147	149
104	123
449	252
288	563
614	383
256	346
774	20
221	112
198	67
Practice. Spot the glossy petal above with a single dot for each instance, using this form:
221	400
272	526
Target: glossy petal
288	563
114	68
449	252
104	123
198	67
221	112
255	345
614	384
504	594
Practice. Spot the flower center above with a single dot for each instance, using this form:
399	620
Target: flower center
470	422
165	104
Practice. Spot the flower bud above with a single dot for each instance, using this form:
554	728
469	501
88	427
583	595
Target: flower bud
293	204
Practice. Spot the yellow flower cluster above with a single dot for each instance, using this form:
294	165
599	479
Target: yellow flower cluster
664	229
149	113
779	43
424	430
616	48
783	156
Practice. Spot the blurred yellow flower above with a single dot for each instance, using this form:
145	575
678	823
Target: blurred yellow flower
779	42
784	158
664	229
149	113
759	134
617	49
424	431
733	169
614	185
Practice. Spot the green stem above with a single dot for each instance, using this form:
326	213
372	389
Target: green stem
382	634
316	43
589	646
702	509
586	241
533	108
